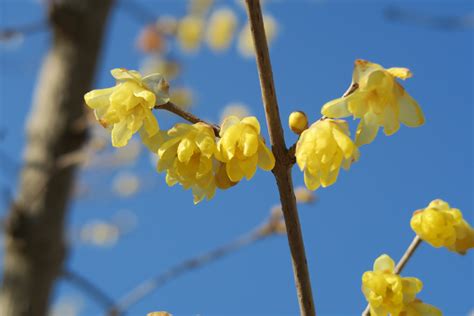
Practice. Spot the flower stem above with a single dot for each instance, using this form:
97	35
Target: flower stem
401	263
173	108
283	164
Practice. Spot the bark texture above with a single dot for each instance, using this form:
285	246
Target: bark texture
34	243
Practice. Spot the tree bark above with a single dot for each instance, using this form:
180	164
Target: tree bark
34	243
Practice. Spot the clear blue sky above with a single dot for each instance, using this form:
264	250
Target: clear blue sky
366	213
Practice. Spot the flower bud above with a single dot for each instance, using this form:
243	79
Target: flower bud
298	122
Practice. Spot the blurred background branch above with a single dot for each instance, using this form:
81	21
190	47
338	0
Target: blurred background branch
34	243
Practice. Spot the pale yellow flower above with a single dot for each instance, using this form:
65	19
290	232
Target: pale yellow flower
242	148
387	292
190	32
418	308
378	100
199	7
322	150
221	28
126	108
298	122
245	44
187	157
443	226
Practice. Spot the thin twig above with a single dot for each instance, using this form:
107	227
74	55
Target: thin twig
89	288
173	108
401	263
282	170
148	286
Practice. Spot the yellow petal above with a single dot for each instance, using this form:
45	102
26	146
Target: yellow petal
153	142
234	171
344	142
228	122
185	150
311	181
98	98
249	140
384	263
150	123
266	160
336	108
410	112
121	134
391	124
122	74
367	129
249	166
399	72
252	121
147	96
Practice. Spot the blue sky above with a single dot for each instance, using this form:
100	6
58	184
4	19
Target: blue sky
366	213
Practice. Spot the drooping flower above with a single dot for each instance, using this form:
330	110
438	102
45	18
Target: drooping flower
298	122
387	292
187	157
242	148
443	226
190	32
377	99
221	28
126	107
245	44
322	150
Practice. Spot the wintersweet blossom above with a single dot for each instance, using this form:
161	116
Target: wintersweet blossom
443	226
126	107
242	148
377	99
387	292
187	157
221	28
322	150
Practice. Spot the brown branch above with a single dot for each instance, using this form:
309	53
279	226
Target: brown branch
173	108
401	263
282	170
148	286
34	241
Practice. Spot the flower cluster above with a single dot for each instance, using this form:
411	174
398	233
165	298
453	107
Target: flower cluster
126	107
377	99
443	226
389	293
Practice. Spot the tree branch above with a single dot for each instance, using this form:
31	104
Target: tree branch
173	108
282	170
401	264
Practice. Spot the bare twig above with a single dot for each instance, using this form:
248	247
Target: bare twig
282	170
88	288
173	108
401	263
148	286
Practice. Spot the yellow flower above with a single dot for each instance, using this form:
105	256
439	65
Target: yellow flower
418	308
387	292
298	122
321	151
221	28
190	32
126	108
245	43
442	226
242	148
378	100
187	157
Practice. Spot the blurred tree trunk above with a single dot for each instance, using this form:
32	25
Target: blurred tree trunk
34	242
